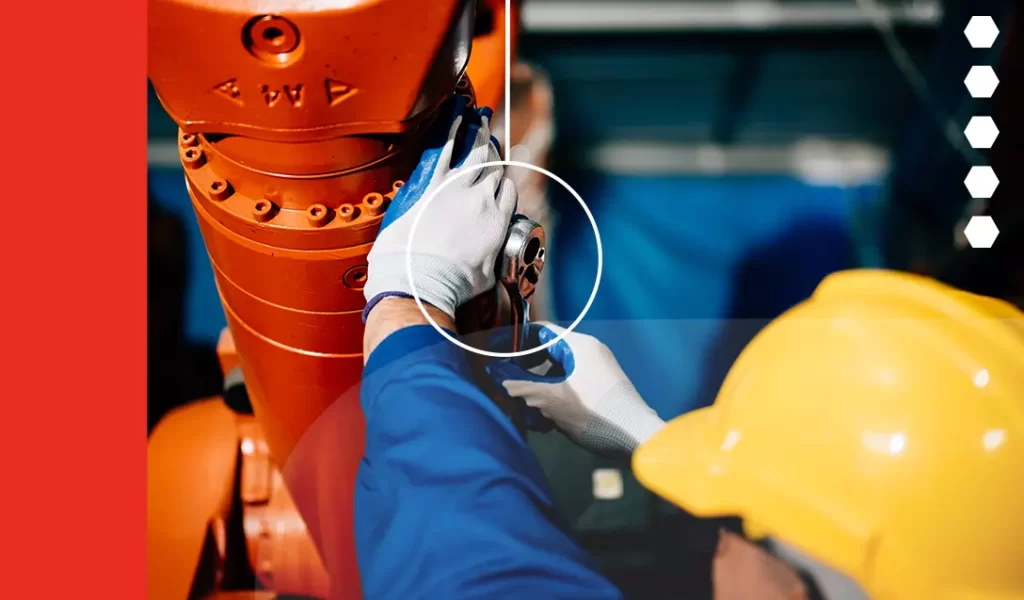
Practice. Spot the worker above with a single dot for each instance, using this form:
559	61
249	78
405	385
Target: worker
870	438
450	502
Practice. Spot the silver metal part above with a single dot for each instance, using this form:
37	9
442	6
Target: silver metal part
524	256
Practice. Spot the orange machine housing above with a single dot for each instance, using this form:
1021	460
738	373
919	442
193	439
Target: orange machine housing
298	122
487	67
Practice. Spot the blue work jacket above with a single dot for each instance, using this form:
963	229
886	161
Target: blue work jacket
450	502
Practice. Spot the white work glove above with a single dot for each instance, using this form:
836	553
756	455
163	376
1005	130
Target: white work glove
590	399
459	236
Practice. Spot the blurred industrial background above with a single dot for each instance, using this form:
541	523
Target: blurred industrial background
733	153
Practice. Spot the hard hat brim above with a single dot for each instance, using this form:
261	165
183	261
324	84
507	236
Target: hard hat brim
678	464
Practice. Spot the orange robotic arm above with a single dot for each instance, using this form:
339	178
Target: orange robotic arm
298	122
487	65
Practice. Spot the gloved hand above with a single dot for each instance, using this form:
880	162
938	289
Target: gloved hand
590	399
459	236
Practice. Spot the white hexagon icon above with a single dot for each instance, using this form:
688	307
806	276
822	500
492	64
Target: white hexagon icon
981	82
981	232
981	182
981	32
981	132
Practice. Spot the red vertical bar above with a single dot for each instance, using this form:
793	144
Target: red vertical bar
72	236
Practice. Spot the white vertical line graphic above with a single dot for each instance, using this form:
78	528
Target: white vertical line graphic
508	78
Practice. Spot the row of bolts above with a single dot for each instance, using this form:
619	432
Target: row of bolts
318	214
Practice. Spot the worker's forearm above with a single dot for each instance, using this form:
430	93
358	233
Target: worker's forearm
392	314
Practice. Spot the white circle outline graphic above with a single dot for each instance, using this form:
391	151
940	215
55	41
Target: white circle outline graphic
412	233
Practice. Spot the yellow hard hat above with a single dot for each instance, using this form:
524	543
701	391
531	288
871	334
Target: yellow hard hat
879	428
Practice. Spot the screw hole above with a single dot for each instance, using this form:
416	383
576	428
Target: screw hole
399	184
532	276
273	35
190	154
317	211
273	39
217	186
355	277
344	210
532	249
262	206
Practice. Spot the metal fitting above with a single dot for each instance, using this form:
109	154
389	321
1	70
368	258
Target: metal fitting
192	158
318	215
374	203
524	256
355	277
220	189
346	212
263	210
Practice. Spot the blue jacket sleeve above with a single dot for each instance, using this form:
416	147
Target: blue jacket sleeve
450	502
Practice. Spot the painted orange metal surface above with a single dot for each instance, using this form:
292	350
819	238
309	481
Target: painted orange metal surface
487	63
227	354
298	121
190	470
302	70
280	550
